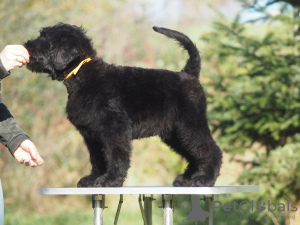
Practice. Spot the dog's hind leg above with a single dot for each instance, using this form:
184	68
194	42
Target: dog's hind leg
199	149
183	180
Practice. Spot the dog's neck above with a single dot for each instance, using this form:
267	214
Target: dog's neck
84	74
75	71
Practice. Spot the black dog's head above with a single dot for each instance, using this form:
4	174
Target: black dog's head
57	49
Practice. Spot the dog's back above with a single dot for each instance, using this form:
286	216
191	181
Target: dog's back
193	64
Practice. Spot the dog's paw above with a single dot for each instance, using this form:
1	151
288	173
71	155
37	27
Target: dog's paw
181	181
86	181
107	182
202	181
100	181
195	181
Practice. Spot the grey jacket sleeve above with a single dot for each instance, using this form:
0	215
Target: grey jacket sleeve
11	135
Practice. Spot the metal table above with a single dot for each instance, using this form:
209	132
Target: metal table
146	194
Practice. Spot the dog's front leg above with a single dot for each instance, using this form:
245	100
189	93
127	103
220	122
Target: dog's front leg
98	163
110	159
117	157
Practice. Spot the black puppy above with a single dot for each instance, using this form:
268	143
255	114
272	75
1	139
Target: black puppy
112	105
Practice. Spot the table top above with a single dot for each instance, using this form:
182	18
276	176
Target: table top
161	190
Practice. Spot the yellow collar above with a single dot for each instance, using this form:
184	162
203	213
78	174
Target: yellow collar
77	68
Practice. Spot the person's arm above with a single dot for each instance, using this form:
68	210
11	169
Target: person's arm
11	135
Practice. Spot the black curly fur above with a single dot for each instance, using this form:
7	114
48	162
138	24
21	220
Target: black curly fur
112	105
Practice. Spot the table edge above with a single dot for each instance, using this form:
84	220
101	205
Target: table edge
160	190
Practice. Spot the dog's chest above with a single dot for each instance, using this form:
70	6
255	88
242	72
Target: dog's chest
78	109
86	106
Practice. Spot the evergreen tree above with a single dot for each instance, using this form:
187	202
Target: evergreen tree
254	94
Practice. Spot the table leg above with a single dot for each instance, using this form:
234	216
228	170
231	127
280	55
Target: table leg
142	209
118	210
148	209
208	207
98	206
168	212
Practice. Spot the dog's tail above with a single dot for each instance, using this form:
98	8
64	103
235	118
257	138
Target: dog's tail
193	64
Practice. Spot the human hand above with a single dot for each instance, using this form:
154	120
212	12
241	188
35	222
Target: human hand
27	154
13	56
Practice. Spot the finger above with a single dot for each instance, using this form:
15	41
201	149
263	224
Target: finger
27	161
40	161
21	60
33	152
21	52
16	63
32	163
21	161
24	52
29	147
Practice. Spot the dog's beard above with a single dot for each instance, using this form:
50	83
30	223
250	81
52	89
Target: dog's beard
36	67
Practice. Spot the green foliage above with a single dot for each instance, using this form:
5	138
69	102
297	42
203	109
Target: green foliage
258	95
64	218
254	96
280	170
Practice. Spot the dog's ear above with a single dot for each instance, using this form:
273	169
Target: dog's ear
65	54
